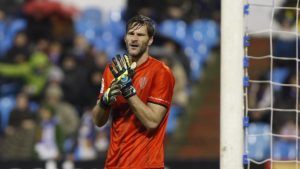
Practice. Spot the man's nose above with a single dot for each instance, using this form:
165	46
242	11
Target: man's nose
134	38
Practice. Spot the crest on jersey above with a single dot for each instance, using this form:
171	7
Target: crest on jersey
143	82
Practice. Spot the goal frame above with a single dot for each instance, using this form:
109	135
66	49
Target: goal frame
232	106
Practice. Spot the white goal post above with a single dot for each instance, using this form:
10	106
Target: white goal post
231	127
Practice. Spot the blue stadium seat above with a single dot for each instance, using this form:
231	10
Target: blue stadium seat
195	64
7	103
107	43
34	106
280	74
116	28
16	26
174	29
204	31
115	24
89	24
203	53
284	150
5	44
92	14
284	48
88	29
173	118
2	37
9	88
259	146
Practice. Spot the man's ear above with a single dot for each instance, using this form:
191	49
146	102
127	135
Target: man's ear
150	41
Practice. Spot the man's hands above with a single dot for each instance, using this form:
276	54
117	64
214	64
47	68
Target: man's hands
123	69
110	95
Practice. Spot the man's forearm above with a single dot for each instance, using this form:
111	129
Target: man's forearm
149	114
100	115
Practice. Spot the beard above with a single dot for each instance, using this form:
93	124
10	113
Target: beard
137	53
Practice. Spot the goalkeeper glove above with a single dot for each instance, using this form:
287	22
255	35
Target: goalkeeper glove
109	96
123	70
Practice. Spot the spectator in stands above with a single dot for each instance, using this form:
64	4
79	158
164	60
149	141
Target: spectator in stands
80	47
93	81
38	26
206	9
286	97
19	52
285	45
178	9
42	45
95	70
11	7
56	75
3	29
50	136
64	112
55	52
153	9
85	141
178	54
34	73
73	84
102	140
100	60
19	135
260	97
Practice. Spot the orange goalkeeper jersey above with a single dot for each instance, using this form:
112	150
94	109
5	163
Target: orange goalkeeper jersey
132	146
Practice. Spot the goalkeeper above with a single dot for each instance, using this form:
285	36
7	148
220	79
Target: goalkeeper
136	91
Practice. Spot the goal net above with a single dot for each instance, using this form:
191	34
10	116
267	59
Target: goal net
271	84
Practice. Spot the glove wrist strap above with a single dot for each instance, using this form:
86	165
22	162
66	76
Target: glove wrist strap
103	104
128	92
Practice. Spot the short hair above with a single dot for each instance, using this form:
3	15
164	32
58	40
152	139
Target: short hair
141	20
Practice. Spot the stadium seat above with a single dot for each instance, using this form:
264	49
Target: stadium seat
280	74
174	29
115	24
2	37
284	48
16	26
107	43
92	14
284	149
8	32
7	103
196	66
204	31
203	53
173	118
89	24
259	145
88	29
9	88
5	44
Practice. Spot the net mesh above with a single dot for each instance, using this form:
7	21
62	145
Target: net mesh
271	81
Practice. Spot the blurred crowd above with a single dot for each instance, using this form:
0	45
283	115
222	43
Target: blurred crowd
51	64
282	121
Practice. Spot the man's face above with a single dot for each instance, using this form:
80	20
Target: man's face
137	40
